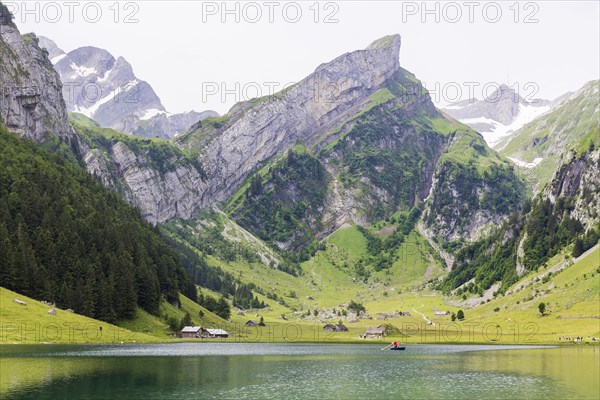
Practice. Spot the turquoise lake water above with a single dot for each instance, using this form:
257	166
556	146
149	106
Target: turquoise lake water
297	371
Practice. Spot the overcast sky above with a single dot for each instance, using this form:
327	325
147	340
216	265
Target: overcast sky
185	50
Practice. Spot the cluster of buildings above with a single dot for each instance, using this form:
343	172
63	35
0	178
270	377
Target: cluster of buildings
198	332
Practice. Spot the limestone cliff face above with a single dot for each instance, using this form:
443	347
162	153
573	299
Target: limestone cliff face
162	189
256	130
378	135
576	178
160	197
579	176
31	105
31	102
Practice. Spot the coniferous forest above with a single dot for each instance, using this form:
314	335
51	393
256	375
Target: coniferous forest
66	239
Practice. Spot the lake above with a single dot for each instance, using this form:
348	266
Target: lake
297	371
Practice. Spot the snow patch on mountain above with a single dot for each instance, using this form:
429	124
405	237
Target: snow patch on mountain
525	164
498	131
80	71
499	115
56	59
152	112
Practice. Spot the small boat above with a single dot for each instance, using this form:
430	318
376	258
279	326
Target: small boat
398	348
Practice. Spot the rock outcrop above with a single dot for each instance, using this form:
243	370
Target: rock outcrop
578	177
31	102
55	53
375	130
177	192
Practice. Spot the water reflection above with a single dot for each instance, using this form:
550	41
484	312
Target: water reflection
296	371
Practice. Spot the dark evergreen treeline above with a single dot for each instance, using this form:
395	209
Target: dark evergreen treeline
244	298
210	277
549	228
488	260
64	238
220	307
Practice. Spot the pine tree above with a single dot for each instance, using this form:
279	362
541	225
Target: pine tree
7	259
542	308
223	309
25	263
186	321
89	293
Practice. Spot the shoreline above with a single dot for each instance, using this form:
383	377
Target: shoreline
307	342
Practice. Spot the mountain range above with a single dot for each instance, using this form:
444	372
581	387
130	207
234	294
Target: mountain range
500	114
106	89
305	199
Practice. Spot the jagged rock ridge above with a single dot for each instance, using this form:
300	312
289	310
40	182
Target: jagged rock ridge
256	130
106	89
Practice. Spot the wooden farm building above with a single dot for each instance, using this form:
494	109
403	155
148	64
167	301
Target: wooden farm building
335	328
190	332
375	333
217	333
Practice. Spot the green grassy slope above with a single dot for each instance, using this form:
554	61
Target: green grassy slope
31	323
510	319
571	292
157	326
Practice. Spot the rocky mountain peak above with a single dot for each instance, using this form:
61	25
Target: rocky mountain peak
505	94
258	129
500	114
106	89
370	67
91	57
387	42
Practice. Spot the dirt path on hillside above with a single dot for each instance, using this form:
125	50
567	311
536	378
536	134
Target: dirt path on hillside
429	322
